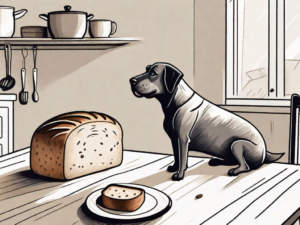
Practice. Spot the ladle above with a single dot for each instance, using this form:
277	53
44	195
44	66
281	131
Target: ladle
7	82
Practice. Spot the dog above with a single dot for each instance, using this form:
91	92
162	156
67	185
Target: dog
194	123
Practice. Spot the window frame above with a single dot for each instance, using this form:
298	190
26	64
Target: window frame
276	56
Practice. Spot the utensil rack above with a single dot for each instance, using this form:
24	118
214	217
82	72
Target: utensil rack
68	44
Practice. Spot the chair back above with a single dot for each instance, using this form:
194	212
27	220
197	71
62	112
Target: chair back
294	156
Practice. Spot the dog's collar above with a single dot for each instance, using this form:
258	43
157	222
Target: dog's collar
172	97
173	107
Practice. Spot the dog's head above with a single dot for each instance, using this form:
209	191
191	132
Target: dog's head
159	78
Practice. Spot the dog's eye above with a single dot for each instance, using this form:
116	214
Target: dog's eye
153	73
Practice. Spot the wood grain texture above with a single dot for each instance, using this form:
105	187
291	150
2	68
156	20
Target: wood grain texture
269	195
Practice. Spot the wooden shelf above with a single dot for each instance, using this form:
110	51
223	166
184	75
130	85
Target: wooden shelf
68	44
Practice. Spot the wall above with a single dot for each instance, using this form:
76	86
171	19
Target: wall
99	80
209	78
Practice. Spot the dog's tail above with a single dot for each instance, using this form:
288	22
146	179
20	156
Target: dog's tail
272	157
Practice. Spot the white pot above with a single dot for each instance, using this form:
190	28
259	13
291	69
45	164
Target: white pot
8	15
67	24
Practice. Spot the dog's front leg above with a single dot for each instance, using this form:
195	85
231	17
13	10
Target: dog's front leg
183	124
175	166
183	145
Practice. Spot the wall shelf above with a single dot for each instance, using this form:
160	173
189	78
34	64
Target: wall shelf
18	43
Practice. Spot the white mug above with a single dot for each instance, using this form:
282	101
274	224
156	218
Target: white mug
8	15
102	28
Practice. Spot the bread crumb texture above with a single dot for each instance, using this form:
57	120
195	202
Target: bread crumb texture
122	198
118	192
76	144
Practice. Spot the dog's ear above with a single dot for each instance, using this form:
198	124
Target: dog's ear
172	77
148	67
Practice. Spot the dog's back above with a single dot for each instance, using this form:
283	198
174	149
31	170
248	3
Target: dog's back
216	129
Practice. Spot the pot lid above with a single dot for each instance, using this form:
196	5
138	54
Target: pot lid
67	11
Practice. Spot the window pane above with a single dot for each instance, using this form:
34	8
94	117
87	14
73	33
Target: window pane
253	34
292	47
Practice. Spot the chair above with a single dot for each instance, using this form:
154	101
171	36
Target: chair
294	150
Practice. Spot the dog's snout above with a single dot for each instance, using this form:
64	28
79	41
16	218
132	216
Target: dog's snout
133	81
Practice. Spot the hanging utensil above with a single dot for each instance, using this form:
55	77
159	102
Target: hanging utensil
35	95
23	95
8	82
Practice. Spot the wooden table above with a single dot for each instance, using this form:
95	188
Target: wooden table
270	195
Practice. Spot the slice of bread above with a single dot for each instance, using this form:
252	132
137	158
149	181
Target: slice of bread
122	198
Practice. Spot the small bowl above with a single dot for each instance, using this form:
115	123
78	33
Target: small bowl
34	32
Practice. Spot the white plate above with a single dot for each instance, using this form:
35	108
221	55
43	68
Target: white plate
155	205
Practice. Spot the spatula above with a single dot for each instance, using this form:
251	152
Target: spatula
35	95
23	95
8	82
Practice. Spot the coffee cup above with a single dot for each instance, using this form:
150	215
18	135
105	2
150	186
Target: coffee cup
102	28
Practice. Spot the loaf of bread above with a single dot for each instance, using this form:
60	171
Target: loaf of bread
76	144
122	198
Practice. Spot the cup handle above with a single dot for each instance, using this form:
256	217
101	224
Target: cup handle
20	13
113	27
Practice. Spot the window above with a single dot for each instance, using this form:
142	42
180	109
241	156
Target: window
262	51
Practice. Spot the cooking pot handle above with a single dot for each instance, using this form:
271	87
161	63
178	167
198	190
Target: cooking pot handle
20	13
90	16
44	16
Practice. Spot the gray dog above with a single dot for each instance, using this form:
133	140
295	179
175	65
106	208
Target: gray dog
193	123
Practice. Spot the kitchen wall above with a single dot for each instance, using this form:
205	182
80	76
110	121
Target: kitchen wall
99	80
209	78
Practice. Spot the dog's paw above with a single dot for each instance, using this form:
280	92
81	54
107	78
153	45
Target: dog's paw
215	162
232	172
237	171
173	168
177	177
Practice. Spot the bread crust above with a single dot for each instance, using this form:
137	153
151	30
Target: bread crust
48	141
127	205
